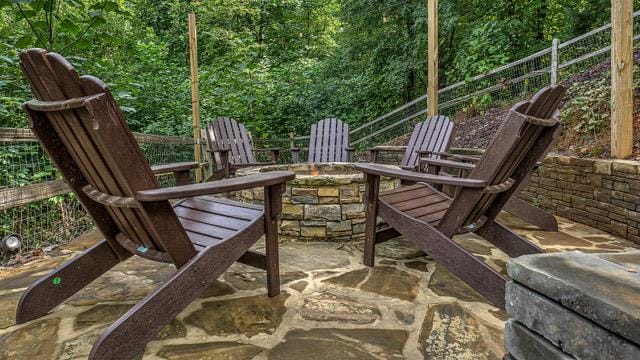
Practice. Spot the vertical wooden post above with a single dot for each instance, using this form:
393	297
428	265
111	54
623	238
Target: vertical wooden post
554	61
432	92
195	92
621	78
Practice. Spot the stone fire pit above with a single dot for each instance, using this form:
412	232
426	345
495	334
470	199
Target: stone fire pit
324	202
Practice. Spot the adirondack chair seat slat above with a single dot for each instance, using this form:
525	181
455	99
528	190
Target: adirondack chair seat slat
423	202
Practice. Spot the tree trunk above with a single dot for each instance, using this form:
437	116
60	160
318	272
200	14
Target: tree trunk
411	72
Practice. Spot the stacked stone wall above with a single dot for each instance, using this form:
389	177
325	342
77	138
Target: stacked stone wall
604	194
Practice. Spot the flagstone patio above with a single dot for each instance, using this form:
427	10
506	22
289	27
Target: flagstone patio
331	306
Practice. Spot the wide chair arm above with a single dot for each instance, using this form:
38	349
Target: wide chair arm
381	170
175	167
447	164
216	187
275	153
448	155
181	171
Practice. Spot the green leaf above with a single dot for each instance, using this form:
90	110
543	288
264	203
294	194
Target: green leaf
76	3
41	25
38	5
7	59
110	6
108	38
68	25
83	43
25	41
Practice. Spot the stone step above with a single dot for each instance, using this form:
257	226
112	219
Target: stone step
523	344
604	288
566	329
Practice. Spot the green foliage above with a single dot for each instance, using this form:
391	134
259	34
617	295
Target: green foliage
589	109
274	65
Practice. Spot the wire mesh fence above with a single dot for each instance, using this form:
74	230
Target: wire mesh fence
36	204
504	85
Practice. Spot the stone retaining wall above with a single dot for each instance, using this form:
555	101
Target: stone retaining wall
604	194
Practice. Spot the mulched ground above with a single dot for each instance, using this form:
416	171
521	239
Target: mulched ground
474	129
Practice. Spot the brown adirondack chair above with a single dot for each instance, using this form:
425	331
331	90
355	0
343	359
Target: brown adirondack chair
428	149
82	129
429	218
328	142
231	149
432	135
515	206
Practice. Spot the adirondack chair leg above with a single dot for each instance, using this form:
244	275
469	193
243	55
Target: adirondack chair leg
480	276
217	175
373	156
295	155
182	177
532	214
225	163
273	207
506	240
386	235
54	288
126	338
274	156
372	189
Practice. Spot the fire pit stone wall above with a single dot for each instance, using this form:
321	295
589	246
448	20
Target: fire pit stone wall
323	203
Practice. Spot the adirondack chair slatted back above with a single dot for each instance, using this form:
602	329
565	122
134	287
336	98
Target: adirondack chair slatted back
524	136
92	145
434	134
227	133
329	141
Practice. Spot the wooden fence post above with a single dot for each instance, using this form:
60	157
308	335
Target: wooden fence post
433	81
621	78
554	61
195	92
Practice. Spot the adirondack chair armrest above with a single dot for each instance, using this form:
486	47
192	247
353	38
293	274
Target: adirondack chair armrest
408	168
469	158
181	171
382	170
446	163
396	149
216	187
275	153
172	168
448	155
